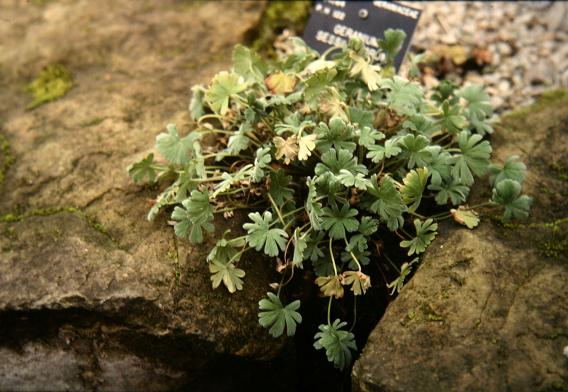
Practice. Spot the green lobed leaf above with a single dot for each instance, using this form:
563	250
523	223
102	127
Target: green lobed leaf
359	117
449	189
425	232
196	105
224	86
339	221
332	162
415	150
451	119
300	246
239	140
377	152
404	96
175	149
478	107
508	194
226	273
473	160
337	343
144	168
414	184
368	136
195	216
317	84
392	43
338	135
511	170
226	251
387	202
260	236
261	163
405	269
248	64
313	207
275	315
278	188
349	179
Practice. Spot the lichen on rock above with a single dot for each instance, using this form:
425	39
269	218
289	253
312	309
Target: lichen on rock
53	82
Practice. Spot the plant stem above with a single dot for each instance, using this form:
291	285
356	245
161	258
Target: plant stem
354	313
329	311
391	263
352	255
417	214
275	206
332	258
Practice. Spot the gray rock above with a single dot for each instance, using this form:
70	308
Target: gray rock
486	310
92	295
541	73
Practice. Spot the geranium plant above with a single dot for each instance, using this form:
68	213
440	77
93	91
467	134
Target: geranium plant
324	152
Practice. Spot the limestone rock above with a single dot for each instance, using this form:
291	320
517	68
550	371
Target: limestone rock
486	310
92	295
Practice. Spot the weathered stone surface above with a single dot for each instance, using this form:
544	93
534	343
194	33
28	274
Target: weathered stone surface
487	309
92	296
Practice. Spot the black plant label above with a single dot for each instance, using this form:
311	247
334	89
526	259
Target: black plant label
332	23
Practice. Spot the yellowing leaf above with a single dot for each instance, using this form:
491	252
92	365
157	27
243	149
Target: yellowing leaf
359	281
224	85
280	83
369	73
465	216
330	286
228	274
307	144
333	105
287	148
318	65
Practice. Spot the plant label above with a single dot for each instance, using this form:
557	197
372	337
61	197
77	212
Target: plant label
332	23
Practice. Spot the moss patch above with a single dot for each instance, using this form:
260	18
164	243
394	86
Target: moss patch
278	16
548	98
6	158
173	255
52	83
47	211
92	122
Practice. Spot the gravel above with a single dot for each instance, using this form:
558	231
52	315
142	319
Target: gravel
527	45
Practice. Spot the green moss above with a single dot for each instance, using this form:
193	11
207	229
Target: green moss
555	386
560	171
92	122
552	236
554	225
278	16
48	211
435	317
6	159
549	98
555	247
14	217
173	255
172	52
52	83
